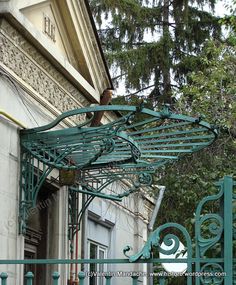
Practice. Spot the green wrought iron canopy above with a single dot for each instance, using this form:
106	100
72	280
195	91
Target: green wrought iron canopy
124	143
132	145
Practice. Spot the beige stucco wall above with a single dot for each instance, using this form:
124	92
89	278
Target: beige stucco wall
20	105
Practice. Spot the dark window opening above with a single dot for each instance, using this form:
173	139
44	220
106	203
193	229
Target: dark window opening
39	234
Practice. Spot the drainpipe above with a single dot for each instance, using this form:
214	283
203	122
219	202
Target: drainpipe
84	248
105	100
76	281
9	117
151	224
156	208
71	265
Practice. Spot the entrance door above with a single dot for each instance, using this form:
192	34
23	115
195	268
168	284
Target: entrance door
39	233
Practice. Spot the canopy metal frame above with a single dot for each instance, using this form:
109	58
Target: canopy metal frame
131	147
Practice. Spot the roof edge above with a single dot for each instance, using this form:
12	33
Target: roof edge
98	41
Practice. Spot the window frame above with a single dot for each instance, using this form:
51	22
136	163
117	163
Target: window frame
100	268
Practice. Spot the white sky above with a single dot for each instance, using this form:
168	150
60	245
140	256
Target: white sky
220	9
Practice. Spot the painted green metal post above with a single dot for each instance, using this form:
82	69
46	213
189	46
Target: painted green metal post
29	278
81	276
55	277
228	229
162	281
108	280
3	277
135	280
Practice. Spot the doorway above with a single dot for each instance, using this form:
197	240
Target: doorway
40	233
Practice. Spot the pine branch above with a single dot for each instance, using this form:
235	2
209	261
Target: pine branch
119	76
179	31
140	90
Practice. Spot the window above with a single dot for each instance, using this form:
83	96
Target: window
97	251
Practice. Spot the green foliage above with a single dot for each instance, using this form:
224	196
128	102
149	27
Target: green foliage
151	41
204	71
229	22
134	63
212	93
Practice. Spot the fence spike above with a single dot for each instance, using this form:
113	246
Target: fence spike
29	278
81	276
135	280
162	281
3	277
55	277
108	279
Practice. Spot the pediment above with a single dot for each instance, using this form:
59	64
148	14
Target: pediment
56	24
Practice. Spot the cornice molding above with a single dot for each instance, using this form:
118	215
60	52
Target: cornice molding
23	59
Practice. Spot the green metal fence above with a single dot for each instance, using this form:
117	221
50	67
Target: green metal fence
210	258
29	276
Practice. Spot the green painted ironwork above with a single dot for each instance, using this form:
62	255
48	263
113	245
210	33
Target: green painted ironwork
135	280
108	280
55	277
97	183
126	148
210	255
29	278
3	277
212	231
81	277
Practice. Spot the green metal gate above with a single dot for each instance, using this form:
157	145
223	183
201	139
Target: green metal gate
210	253
209	260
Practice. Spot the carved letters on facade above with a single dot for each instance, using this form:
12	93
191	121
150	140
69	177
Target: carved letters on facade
26	62
49	28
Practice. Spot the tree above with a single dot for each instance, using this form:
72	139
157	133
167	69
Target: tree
212	93
154	44
183	50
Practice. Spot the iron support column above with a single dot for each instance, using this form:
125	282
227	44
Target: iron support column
228	230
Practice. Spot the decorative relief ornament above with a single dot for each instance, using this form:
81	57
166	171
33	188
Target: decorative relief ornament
26	62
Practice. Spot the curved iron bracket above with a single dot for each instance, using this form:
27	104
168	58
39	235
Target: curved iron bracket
125	146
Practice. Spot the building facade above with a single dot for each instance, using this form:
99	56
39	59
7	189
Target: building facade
51	62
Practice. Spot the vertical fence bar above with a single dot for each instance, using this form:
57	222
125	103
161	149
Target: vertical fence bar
108	280
162	280
228	229
3	277
29	278
81	276
55	277
135	280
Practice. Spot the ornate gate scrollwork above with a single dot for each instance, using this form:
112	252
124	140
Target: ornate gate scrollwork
212	230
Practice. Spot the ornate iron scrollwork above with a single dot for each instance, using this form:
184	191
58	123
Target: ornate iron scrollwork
145	178
212	273
125	146
109	145
211	230
155	240
212	226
